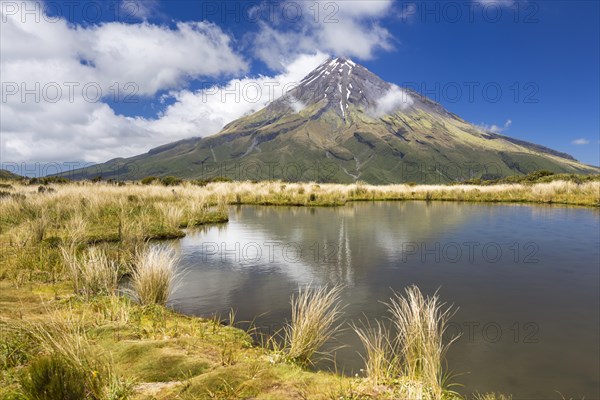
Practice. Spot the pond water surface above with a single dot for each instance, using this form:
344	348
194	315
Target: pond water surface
525	280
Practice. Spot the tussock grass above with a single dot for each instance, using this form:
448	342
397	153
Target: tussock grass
76	228
125	343
172	216
33	225
413	350
381	361
63	342
420	323
315	320
93	273
154	275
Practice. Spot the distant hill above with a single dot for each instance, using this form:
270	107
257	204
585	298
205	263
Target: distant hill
344	124
7	175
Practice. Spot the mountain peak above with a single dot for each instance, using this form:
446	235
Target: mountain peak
339	61
339	84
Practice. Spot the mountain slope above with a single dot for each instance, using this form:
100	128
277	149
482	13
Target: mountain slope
7	175
342	123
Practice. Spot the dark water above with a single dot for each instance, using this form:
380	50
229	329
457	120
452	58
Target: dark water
525	279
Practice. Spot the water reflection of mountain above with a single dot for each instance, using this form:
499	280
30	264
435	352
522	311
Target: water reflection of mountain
321	245
232	265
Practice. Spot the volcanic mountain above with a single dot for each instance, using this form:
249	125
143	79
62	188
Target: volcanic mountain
342	123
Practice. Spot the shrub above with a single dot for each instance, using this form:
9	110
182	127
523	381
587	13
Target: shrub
70	365
149	180
534	176
204	182
170	181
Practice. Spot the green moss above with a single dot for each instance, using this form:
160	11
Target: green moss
159	362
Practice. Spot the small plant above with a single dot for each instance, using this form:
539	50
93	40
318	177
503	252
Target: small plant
67	363
315	316
93	273
38	227
119	388
154	275
52	378
76	228
172	216
14	347
420	324
381	361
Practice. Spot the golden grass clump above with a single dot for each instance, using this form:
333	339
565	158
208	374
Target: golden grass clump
93	273
420	323
64	339
381	360
172	216
315	320
154	275
76	228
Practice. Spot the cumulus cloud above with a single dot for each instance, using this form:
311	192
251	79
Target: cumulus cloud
395	99
46	66
206	111
347	28
581	141
495	128
153	57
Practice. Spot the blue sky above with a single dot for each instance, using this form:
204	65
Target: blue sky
521	68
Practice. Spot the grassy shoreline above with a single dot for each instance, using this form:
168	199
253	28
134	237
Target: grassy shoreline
151	352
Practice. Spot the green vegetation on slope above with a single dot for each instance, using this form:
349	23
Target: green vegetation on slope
419	147
7	175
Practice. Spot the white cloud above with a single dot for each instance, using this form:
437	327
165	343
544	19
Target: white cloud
206	111
395	99
581	141
347	28
57	55
92	132
152	57
495	128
